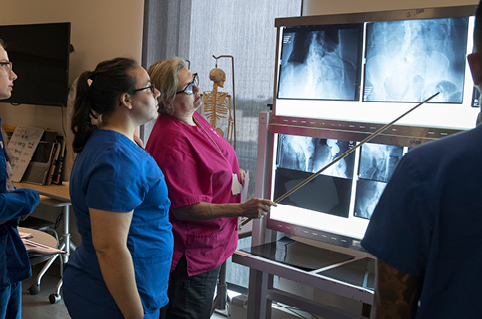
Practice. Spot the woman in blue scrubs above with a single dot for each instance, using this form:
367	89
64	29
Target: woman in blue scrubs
119	197
15	204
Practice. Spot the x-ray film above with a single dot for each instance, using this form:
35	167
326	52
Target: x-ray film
377	162
410	60
324	194
321	62
310	154
368	194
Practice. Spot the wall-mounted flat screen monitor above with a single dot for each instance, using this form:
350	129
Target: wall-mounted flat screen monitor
372	67
40	56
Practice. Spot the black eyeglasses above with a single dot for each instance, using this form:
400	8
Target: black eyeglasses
189	88
7	66
150	87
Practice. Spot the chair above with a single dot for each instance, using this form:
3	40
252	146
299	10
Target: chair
42	225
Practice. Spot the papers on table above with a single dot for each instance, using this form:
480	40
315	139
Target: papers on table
37	249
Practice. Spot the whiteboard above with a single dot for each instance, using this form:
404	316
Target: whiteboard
21	147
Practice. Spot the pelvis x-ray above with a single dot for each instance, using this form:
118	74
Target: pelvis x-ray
367	196
410	60
321	62
377	162
309	154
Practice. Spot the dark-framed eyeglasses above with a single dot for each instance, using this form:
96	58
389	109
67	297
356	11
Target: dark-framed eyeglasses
190	87
7	66
151	87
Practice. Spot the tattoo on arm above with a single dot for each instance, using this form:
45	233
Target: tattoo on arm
396	293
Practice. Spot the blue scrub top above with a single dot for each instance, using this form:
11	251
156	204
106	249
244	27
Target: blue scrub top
428	223
113	173
14	261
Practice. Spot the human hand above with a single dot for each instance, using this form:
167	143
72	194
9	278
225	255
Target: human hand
242	175
256	208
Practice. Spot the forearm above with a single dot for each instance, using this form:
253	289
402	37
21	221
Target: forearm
254	208
17	203
118	273
396	293
207	211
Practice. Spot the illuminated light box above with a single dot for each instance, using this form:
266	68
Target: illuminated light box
375	66
338	79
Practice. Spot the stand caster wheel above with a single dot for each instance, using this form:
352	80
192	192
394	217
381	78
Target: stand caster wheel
34	289
54	298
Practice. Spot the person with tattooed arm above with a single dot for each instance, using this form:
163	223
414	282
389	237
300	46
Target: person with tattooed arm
426	229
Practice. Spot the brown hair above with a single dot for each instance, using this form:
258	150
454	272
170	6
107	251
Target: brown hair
97	93
164	75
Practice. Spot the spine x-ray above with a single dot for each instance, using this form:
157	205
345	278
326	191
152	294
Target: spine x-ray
410	60
300	156
321	62
310	154
377	164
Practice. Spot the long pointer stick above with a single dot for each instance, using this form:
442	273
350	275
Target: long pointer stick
312	176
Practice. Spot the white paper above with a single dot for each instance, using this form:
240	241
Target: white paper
34	248
244	191
236	185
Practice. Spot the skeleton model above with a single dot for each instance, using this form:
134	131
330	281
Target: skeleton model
217	105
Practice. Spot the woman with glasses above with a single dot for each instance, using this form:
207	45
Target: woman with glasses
202	173
16	205
119	198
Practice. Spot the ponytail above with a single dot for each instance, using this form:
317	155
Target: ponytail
98	93
81	124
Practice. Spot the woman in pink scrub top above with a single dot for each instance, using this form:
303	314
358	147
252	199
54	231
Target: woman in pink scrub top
200	167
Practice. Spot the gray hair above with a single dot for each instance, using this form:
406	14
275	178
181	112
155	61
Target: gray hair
164	75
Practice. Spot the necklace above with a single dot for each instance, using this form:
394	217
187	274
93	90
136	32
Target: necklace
202	128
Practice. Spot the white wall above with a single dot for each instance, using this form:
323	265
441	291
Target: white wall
100	30
319	7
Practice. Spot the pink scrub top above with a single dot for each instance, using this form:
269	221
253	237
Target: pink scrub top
198	165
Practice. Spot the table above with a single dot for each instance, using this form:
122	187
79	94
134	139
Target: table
262	291
55	196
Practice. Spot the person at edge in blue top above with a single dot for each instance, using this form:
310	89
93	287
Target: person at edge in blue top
16	205
426	230
119	197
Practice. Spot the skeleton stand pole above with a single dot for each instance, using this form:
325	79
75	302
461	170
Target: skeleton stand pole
234	96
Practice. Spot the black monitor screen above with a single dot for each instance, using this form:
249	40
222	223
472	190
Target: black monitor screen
321	62
410	60
40	57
